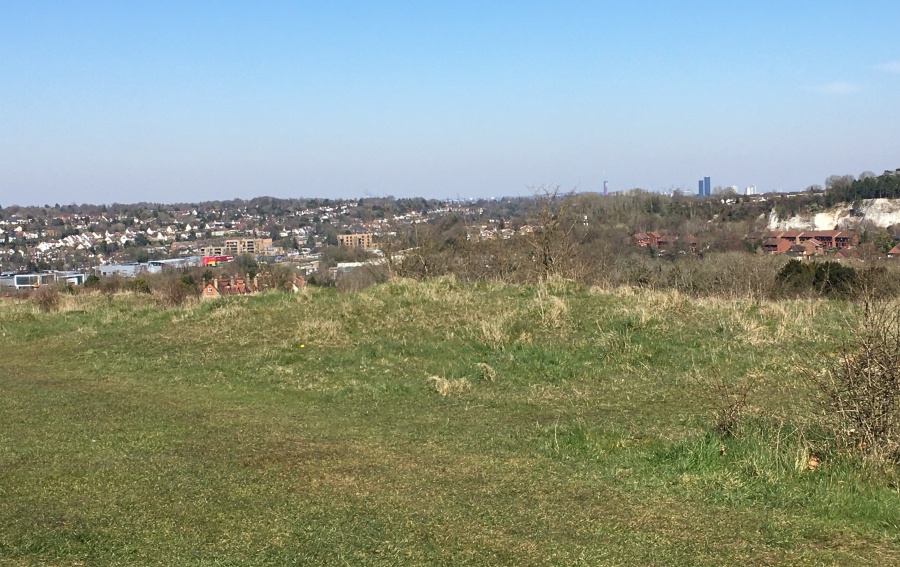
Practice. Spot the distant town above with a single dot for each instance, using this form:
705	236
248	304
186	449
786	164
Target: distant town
125	240
70	242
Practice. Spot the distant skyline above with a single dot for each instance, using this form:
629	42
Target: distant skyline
166	101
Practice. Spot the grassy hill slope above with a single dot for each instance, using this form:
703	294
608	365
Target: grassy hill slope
425	424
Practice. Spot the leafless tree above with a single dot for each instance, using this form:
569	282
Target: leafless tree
555	239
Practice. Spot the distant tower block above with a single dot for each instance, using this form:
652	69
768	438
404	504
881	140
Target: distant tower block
605	187
706	190
700	188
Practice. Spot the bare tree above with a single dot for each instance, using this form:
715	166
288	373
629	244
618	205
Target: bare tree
838	181
555	240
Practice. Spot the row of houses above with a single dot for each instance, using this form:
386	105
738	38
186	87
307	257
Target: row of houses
796	242
659	241
806	242
244	285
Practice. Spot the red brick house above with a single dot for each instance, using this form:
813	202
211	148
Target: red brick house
235	285
847	252
658	241
666	242
814	242
645	239
775	245
829	239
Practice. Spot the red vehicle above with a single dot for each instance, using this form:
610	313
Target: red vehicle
214	261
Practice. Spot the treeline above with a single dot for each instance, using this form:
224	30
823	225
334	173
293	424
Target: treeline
568	242
884	186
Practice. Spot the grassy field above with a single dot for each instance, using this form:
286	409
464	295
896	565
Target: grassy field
426	424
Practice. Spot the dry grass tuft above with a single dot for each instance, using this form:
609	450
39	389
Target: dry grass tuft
792	318
553	310
321	331
487	371
227	309
448	387
493	333
747	328
82	302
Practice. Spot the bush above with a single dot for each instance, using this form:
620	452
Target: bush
276	277
46	298
861	389
137	285
174	291
361	278
828	279
320	279
110	285
727	403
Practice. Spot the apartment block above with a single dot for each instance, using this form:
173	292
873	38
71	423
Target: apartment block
355	240
238	246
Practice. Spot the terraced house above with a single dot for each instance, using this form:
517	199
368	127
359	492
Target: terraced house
829	239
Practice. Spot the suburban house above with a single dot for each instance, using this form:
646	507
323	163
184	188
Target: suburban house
666	242
297	283
237	285
641	239
234	285
806	249
774	245
644	239
848	252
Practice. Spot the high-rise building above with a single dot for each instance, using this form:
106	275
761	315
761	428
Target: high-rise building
706	190
605	187
700	188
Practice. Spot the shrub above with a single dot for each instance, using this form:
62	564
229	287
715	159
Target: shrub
137	285
361	278
110	285
174	291
321	279
275	277
727	403
46	298
828	279
861	389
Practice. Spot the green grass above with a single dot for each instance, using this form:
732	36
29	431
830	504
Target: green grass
305	430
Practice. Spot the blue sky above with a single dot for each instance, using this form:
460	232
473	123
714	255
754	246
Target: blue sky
187	101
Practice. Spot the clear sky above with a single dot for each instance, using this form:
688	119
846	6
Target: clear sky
165	101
